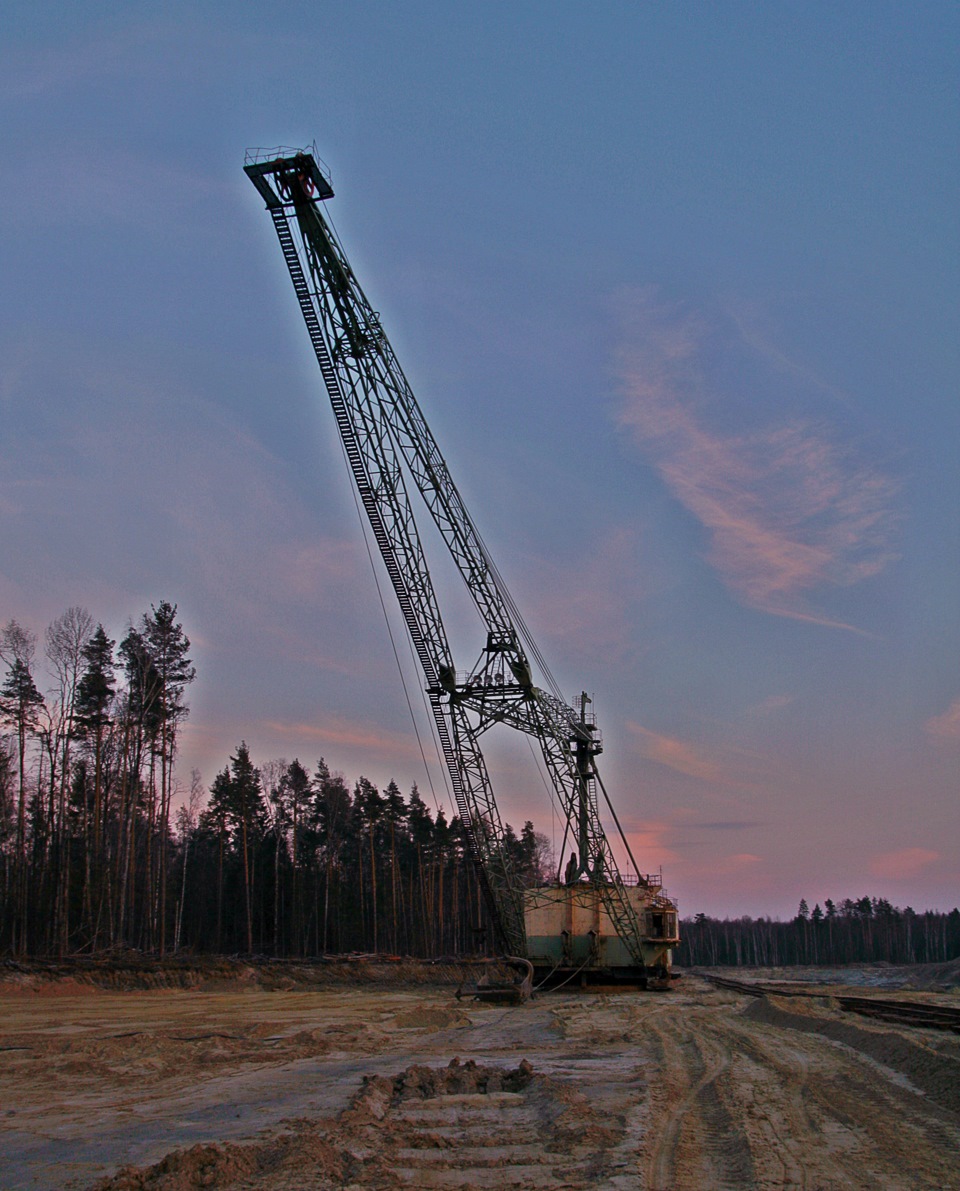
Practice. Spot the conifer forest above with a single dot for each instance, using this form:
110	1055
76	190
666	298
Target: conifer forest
104	849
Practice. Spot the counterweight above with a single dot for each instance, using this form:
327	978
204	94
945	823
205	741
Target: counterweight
391	450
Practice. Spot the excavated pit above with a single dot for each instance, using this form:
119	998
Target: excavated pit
463	1125
248	1083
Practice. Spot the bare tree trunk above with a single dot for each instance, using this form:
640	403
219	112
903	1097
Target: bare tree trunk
363	916
166	766
276	890
183	891
125	820
147	934
393	883
373	886
440	905
295	915
220	892
246	889
326	905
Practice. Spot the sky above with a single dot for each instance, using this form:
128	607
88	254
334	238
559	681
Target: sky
677	289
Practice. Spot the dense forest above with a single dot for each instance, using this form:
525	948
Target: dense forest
866	930
102	849
87	783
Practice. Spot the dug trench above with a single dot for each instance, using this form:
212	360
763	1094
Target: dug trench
379	1084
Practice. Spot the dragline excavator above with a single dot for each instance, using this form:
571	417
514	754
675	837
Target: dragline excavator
593	921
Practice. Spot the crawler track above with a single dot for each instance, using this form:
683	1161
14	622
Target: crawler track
931	1017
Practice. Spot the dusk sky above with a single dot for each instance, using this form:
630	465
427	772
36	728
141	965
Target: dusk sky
677	288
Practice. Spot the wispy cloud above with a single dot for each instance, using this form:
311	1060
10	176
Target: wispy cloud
676	754
771	705
650	842
738	862
727	767
737	875
946	727
591	614
117	188
340	732
749	323
174	485
104	52
902	864
789	509
729	825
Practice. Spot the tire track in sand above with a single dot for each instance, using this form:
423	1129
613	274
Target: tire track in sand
838	1116
695	1140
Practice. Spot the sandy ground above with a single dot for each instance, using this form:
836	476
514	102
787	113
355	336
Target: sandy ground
399	1086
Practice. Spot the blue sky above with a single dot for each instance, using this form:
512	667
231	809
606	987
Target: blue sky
677	288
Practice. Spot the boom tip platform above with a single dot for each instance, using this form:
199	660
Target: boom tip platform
284	176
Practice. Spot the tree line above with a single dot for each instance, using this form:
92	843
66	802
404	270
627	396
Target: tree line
87	782
101	849
284	862
865	930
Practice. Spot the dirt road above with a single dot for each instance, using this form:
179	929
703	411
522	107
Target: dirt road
695	1088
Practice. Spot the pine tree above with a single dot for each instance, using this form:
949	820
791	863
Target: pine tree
168	646
248	817
396	813
65	640
421	835
276	798
95	694
7	798
20	702
370	806
331	819
217	817
298	790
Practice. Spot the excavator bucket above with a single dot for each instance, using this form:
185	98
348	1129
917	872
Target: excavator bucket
506	981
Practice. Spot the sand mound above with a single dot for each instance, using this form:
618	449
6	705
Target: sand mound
934	1072
431	1019
286	1161
79	976
934	976
356	1149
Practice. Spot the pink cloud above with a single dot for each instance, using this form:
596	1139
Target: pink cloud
724	879
902	864
591	612
787	508
676	754
731	768
334	730
771	704
737	863
651	839
946	726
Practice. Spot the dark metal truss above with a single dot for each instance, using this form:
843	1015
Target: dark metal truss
386	439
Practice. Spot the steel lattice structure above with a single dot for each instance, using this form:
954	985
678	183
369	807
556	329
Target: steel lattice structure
389	446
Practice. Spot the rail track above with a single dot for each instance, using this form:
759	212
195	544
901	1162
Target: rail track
931	1017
